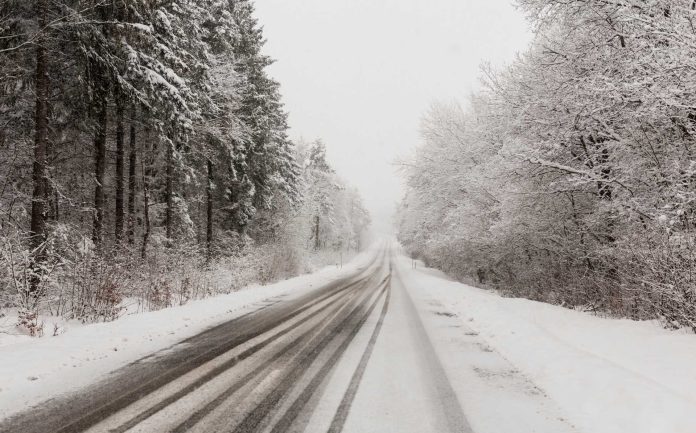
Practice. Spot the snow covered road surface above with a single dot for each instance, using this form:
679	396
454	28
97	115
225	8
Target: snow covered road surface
381	347
249	352
271	369
401	385
349	356
33	370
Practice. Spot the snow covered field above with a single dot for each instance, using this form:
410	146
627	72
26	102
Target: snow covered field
34	369
606	375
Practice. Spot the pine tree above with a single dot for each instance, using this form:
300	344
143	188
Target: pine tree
176	96
268	160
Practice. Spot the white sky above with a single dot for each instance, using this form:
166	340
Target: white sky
359	74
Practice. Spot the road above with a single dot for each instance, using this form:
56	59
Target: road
350	356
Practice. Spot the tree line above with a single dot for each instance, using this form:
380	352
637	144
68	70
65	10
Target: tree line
570	177
134	129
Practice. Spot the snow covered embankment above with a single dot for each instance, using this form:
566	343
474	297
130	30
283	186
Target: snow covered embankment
608	375
35	369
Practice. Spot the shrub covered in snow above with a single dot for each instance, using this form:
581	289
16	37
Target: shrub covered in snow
571	177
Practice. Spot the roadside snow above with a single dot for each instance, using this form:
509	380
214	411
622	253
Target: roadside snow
35	369
607	375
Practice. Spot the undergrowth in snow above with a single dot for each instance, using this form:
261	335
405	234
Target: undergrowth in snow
97	290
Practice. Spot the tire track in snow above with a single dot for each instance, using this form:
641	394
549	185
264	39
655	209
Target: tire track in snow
254	418
300	403
221	398
232	362
341	415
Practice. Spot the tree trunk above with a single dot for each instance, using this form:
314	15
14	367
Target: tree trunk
101	106
99	163
146	216
605	190
52	196
56	204
209	211
118	226
146	170
132	161
317	243
169	190
37	234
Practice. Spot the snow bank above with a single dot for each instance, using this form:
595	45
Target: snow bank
35	369
608	375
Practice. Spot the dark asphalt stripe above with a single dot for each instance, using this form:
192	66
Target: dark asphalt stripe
257	415
132	395
341	415
222	368
298	405
220	399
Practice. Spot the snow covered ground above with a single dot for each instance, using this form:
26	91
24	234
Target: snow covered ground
34	369
605	375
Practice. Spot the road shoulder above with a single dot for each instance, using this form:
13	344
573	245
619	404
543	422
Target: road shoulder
601	374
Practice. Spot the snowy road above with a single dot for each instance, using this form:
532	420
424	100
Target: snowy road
355	355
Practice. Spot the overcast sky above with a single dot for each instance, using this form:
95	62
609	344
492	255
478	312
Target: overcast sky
359	74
